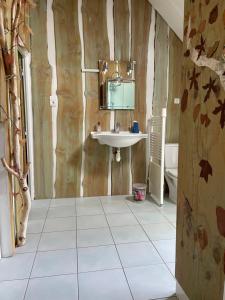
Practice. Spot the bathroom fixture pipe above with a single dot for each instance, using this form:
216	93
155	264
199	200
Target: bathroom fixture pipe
117	154
89	70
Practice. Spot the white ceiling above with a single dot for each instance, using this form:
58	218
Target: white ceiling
172	12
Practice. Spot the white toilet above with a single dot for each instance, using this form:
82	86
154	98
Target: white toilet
171	169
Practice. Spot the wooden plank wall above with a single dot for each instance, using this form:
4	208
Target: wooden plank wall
161	66
121	170
96	46
83	167
41	91
201	202
175	83
141	19
70	101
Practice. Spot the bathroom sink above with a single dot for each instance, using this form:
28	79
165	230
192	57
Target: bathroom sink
118	140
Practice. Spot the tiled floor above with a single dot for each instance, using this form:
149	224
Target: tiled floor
102	248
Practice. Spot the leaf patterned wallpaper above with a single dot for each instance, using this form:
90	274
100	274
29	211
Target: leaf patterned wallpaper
200	267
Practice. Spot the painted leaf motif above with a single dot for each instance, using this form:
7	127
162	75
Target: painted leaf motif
205	120
220	214
210	87
194	80
192	33
184	100
212	50
202	238
201	47
196	112
220	109
213	15
206	169
201	27
187	53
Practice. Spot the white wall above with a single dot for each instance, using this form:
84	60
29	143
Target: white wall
172	12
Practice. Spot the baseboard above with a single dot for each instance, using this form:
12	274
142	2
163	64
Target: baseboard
180	293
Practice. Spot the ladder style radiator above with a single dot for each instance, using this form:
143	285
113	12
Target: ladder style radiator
156	132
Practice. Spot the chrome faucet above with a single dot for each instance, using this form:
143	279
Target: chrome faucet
117	127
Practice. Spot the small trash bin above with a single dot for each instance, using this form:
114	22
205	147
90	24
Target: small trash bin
139	191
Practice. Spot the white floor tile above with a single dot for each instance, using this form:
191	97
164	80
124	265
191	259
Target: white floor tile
16	267
121	219
89	210
38	213
63	202
57	287
128	234
13	290
88	222
160	231
169	298
60	224
61	212
88	201
57	240
114	198
138	254
150	282
113	208
35	226
40	203
94	237
55	263
98	258
150	217
171	267
31	244
167	249
171	216
102	285
141	206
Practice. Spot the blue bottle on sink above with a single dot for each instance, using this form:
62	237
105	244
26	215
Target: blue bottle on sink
135	127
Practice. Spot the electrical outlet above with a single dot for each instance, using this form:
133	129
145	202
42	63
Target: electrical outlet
53	101
176	100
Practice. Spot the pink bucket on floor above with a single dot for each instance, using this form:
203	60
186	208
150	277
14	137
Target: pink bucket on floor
139	191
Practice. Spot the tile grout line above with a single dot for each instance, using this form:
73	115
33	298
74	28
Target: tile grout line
152	242
117	252
37	249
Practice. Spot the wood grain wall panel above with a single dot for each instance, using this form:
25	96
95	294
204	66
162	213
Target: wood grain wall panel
160	95
175	85
41	91
121	170
140	27
70	101
200	249
96	46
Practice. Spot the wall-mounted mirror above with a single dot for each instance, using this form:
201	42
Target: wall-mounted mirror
117	85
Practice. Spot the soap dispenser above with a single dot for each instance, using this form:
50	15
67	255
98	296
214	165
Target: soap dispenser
135	127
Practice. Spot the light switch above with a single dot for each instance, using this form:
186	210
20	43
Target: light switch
53	101
176	100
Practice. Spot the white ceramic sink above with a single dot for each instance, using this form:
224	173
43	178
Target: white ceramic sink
118	140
